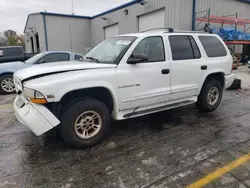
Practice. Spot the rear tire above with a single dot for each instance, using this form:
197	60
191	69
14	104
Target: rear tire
85	123
210	96
7	84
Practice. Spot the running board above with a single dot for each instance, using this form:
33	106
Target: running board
161	108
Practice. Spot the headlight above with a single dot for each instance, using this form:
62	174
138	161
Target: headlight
34	96
30	93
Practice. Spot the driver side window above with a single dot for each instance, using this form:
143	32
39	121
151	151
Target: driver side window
153	48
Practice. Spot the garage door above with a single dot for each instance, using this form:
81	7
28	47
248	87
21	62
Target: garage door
152	20
111	31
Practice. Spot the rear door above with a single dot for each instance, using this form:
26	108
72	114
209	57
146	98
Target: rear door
186	63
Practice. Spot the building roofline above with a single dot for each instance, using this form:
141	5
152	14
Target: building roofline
55	14
118	8
80	16
64	15
36	13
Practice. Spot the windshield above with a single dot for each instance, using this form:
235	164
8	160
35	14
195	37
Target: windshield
34	58
110	50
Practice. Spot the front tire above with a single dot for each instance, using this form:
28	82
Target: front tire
7	84
210	96
85	123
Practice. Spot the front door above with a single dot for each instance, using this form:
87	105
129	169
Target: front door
145	84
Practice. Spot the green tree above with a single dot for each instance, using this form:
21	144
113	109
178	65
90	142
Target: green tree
9	33
11	38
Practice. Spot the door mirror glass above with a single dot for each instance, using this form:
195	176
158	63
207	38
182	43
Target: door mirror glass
137	58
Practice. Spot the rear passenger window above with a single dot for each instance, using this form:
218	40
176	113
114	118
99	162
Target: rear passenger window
213	46
183	47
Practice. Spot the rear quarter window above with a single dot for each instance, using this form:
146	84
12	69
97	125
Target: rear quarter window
213	46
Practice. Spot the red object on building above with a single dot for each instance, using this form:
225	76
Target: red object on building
237	42
224	20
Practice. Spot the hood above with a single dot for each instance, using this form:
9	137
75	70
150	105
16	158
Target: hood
59	67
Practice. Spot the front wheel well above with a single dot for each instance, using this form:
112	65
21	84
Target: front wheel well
6	73
100	93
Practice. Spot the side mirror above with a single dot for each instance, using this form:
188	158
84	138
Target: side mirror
137	58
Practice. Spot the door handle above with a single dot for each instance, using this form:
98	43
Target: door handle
165	71
204	67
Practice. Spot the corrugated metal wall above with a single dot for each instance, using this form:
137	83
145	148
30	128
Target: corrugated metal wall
71	34
178	16
224	7
35	25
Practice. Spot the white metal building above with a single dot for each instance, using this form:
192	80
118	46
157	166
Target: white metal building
51	31
48	31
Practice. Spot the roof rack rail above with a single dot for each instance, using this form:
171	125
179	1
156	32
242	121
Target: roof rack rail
186	31
170	30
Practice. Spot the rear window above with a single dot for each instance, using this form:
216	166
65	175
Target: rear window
213	46
12	52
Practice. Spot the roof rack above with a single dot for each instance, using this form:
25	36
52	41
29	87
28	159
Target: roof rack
186	31
169	29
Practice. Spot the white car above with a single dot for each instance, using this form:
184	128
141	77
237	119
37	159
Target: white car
123	77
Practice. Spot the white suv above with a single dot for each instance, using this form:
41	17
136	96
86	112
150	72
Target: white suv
123	77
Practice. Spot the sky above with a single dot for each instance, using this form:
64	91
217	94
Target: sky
13	13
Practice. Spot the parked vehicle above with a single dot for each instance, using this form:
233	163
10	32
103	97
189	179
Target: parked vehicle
7	69
13	53
123	77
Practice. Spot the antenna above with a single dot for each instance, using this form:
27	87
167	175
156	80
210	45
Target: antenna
72	6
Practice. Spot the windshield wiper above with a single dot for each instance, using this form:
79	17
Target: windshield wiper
93	59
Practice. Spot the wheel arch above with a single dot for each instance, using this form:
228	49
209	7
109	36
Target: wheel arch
217	75
103	93
8	72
